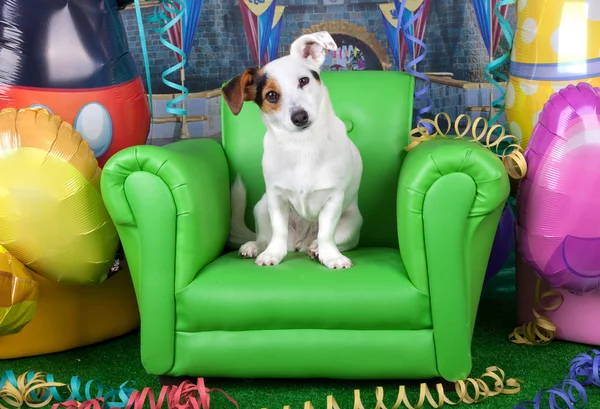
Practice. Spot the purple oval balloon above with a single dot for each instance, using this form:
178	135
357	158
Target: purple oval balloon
504	242
558	204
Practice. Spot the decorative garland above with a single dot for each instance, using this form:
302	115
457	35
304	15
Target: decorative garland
37	390
513	159
481	392
540	331
570	393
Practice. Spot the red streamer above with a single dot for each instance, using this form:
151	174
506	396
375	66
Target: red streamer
251	28
185	396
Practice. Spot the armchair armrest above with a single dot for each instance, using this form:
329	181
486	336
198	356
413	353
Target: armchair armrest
451	193
170	206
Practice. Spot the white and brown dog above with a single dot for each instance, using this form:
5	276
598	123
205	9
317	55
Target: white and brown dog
312	170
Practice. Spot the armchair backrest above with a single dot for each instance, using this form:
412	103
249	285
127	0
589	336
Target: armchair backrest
377	109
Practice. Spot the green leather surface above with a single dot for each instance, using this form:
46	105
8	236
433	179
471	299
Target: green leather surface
377	106
236	295
451	193
423	166
306	354
171	208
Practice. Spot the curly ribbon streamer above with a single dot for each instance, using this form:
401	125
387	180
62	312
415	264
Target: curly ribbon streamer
163	23
491	69
481	392
513	159
36	391
570	393
421	94
140	22
541	330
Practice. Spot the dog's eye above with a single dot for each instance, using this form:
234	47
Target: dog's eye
304	81
272	97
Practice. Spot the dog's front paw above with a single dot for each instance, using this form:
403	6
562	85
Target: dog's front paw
338	262
249	250
269	259
333	259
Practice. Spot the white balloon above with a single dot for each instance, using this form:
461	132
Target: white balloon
94	124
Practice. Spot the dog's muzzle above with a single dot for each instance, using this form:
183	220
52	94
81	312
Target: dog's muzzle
300	118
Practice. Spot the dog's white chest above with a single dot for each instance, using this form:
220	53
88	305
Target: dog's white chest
307	204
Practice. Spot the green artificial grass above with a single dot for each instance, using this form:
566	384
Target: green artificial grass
116	361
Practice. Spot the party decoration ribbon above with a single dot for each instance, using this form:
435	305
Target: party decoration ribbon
390	22
513	159
257	17
140	23
414	44
541	330
491	69
36	390
570	393
275	34
480	392
162	23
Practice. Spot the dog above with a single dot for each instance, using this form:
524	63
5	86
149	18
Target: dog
312	170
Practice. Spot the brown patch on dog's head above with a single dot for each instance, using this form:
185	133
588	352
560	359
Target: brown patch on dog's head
270	95
240	89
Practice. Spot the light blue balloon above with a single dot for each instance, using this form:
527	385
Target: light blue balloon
94	124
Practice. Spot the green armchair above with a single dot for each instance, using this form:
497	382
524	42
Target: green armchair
406	310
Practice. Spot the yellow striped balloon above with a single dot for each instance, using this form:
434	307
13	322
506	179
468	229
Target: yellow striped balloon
556	43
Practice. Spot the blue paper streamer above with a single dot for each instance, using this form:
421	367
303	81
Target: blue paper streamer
410	38
392	37
570	393
163	23
274	38
190	24
265	25
113	398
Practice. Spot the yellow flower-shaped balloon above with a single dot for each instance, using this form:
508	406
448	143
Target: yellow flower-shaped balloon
52	217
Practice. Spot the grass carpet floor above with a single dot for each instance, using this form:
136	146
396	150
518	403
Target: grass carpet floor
118	360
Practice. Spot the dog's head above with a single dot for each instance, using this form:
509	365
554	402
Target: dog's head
287	90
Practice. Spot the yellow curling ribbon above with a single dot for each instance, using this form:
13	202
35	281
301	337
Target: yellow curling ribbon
511	155
23	393
540	331
480	392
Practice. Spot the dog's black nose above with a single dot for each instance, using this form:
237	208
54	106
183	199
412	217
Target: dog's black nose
300	118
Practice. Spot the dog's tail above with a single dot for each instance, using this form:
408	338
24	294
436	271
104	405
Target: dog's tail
239	232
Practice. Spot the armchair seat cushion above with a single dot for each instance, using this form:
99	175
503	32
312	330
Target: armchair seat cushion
233	294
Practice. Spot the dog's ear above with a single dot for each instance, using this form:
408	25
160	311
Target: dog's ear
239	89
312	48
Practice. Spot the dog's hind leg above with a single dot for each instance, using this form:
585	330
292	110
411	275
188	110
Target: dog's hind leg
347	232
263	228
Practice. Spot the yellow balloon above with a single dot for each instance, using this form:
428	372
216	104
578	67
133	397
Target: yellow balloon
556	43
18	294
52	217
